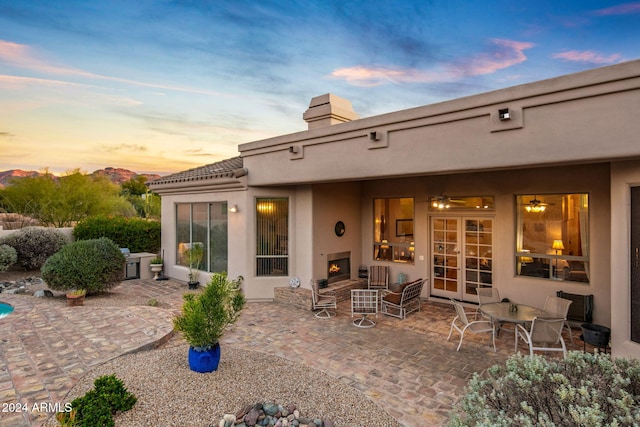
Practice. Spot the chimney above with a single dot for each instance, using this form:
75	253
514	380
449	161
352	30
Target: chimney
327	110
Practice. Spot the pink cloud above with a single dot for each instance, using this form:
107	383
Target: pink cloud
22	56
622	9
503	54
587	56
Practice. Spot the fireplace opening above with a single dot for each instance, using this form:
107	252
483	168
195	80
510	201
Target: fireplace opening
338	267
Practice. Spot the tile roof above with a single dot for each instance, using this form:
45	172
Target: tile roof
222	169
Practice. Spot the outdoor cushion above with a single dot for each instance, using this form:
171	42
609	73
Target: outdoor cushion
396	297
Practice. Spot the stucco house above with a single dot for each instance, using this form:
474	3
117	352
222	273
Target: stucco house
532	189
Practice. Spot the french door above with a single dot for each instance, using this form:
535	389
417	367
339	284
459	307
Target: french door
462	256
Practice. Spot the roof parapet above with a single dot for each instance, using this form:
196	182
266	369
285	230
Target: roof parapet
327	110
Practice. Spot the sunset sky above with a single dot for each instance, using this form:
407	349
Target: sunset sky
163	86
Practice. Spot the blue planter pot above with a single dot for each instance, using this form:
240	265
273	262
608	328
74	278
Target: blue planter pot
204	361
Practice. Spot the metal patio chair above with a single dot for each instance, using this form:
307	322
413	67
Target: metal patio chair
364	302
378	277
323	301
477	326
544	335
559	307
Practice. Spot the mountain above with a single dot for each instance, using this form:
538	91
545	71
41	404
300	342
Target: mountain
6	176
116	175
119	175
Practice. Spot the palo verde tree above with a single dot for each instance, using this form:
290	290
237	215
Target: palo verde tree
146	203
62	201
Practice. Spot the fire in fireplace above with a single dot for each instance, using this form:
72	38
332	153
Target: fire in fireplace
338	267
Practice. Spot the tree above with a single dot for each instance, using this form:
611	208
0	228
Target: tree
146	203
60	202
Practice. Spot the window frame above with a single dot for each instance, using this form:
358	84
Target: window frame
212	246
570	225
393	238
272	236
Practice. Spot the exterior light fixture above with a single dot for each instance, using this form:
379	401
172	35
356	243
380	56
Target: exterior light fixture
233	208
504	114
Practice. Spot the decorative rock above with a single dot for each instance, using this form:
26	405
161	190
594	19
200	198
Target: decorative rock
271	414
43	293
252	417
270	408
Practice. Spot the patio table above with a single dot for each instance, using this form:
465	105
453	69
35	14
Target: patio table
502	312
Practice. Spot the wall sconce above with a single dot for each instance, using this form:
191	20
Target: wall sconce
374	136
504	114
233	208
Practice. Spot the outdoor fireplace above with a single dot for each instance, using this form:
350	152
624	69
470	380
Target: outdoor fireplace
338	267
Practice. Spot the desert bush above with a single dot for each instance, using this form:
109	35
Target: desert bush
94	265
97	406
583	390
34	245
8	257
137	234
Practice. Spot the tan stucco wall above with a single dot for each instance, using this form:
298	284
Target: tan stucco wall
623	176
564	120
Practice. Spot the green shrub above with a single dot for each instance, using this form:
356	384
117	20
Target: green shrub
583	390
97	407
8	257
137	234
93	265
205	316
34	245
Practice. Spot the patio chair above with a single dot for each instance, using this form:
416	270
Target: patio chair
486	295
378	277
559	307
323	301
477	326
543	335
364	302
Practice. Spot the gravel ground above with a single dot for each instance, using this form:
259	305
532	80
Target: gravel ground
170	394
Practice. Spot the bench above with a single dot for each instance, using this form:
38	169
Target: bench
403	302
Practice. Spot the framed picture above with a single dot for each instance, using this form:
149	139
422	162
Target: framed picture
404	227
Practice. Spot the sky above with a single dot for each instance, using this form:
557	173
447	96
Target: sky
164	86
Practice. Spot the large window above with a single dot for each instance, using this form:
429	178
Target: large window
393	230
552	239
203	224
272	225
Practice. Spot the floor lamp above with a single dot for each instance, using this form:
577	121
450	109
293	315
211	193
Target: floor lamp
558	246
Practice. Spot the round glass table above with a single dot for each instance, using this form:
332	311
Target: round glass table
507	312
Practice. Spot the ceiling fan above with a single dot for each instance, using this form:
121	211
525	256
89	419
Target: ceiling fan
536	206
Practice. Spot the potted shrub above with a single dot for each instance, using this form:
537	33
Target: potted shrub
194	256
204	318
76	297
156	266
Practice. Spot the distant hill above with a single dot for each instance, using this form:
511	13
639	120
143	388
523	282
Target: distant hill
116	175
119	175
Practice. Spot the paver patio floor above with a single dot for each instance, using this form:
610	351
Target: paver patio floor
405	366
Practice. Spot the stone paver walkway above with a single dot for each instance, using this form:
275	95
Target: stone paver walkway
405	366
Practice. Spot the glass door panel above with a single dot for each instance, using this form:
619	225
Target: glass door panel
462	256
445	272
